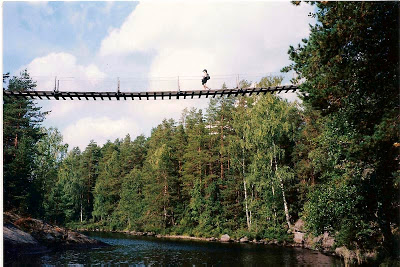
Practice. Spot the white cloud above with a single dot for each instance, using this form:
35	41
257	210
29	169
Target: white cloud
68	71
224	37
168	39
99	129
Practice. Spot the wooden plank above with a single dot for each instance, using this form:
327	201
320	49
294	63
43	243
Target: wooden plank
29	94
37	94
155	94
68	94
215	93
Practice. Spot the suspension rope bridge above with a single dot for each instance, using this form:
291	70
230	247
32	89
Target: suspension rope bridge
70	95
117	94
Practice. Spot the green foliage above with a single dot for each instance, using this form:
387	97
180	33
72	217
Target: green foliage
21	133
249	166
132	205
349	70
50	153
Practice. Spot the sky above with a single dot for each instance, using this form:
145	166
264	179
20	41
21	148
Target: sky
89	46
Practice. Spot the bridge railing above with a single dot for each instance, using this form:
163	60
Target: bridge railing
145	83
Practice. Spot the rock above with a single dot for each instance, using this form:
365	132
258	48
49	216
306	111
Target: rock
140	233
225	238
349	256
12	234
327	241
18	242
244	240
150	234
50	238
212	239
298	238
316	239
299	226
27	235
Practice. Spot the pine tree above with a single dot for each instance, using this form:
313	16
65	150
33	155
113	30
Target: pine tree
161	176
21	132
349	66
132	205
65	199
50	153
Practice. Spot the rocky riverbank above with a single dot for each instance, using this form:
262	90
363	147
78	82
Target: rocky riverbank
23	235
323	243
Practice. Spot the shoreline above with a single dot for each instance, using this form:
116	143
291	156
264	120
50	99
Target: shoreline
347	256
25	235
216	240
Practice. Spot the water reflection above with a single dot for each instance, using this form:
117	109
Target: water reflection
147	251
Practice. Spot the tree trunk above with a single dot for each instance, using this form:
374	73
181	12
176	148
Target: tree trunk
222	147
245	193
283	192
247	209
273	194
165	195
81	212
285	204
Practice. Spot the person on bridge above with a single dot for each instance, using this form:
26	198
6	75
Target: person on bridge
206	77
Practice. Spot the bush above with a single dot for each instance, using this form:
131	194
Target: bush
335	208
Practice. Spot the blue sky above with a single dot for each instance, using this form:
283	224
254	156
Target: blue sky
33	29
88	45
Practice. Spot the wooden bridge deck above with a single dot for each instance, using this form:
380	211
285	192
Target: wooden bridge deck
69	95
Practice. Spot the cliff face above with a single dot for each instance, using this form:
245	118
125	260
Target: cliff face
26	235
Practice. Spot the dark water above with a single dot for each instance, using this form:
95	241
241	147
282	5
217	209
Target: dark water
147	251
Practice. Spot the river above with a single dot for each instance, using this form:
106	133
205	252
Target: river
127	250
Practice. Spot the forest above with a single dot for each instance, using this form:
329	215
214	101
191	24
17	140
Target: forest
246	166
